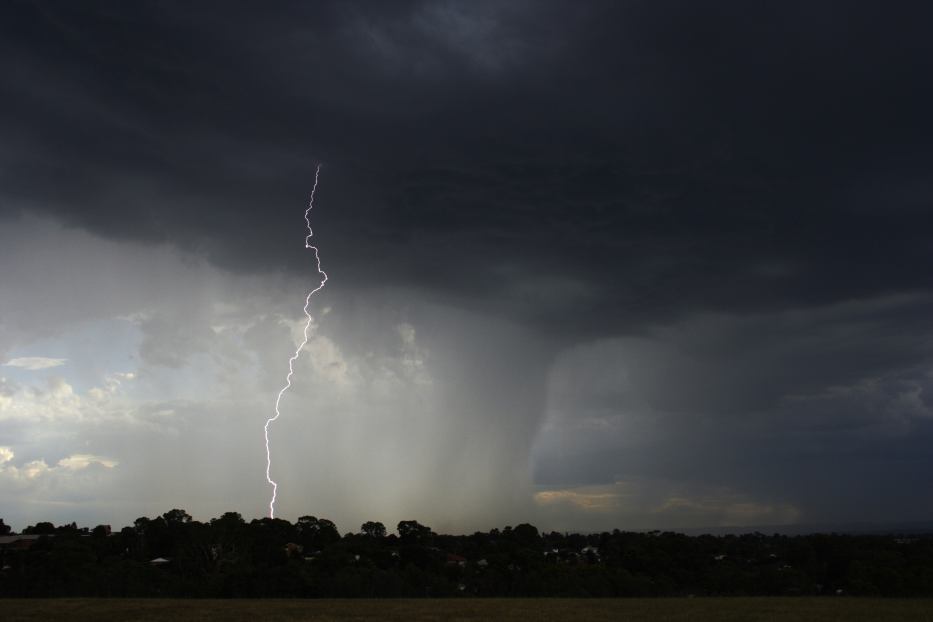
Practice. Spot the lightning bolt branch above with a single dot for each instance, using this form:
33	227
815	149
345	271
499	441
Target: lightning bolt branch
304	342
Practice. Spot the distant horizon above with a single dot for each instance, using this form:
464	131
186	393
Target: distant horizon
920	527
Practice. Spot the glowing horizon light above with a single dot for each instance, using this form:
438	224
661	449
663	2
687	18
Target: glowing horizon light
304	342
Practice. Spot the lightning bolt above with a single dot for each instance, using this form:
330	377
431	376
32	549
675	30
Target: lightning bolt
304	341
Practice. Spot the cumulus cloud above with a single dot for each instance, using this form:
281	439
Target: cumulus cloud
56	402
36	481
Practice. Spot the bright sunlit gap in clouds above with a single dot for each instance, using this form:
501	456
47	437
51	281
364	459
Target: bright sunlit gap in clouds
394	405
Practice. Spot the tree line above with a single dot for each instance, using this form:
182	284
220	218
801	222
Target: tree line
173	555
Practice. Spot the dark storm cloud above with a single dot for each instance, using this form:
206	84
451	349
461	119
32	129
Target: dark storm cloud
716	213
659	157
826	408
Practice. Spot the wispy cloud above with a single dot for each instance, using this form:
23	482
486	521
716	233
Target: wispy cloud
76	462
35	362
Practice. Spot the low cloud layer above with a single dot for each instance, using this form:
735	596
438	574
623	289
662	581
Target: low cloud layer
403	407
788	406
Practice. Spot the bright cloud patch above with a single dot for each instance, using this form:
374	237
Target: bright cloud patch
77	462
660	504
39	468
592	498
33	363
57	401
393	401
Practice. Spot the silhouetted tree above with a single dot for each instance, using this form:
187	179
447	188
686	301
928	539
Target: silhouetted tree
373	529
140	524
228	557
176	517
40	529
411	531
316	532
525	534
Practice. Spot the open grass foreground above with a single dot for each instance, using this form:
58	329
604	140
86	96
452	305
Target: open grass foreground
539	610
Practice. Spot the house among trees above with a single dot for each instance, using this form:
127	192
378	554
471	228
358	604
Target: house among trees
174	555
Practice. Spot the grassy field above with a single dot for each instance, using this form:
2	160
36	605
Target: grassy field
466	610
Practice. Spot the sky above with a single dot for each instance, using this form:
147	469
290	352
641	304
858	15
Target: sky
592	265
